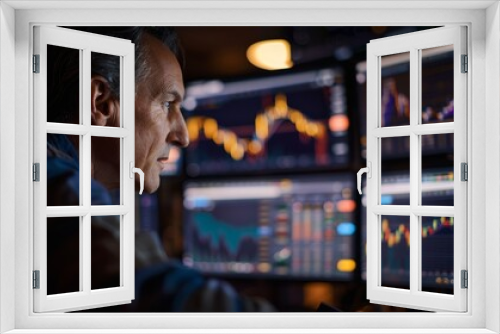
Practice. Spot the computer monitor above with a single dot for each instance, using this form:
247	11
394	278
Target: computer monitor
293	227
437	233
285	122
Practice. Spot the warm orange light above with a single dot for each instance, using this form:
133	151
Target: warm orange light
346	265
192	126
261	126
210	127
254	147
271	55
346	205
338	123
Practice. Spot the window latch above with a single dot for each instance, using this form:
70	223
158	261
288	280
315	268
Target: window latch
368	171
141	175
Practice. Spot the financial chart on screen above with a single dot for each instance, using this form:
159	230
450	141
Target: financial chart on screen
282	122
437	94
293	227
436	232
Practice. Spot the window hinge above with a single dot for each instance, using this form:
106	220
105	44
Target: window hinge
464	171
465	64
36	279
36	63
465	279
36	172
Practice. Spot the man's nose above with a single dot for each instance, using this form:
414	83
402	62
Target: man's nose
178	135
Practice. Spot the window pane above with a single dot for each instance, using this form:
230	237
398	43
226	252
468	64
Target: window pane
437	254
105	250
108	110
63	85
63	255
395	251
63	170
437	170
437	84
395	171
106	171
395	99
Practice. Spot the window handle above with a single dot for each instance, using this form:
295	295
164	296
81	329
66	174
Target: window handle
368	171
141	175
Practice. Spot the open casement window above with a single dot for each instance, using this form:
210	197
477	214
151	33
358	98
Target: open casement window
63	143
412	129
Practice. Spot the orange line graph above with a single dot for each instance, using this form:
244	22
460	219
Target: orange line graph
402	233
238	147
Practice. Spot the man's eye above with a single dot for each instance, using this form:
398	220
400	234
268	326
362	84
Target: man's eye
166	106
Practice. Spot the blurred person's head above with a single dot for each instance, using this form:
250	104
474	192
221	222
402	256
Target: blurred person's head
159	91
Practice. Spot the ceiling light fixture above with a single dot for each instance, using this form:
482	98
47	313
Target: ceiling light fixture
271	55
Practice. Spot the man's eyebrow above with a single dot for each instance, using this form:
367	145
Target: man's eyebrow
178	97
170	90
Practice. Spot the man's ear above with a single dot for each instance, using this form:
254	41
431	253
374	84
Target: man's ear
104	106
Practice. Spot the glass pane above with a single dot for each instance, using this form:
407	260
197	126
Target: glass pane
395	251
395	173
63	85
395	99
106	171
437	170
437	254
63	170
63	255
105	252
437	84
106	84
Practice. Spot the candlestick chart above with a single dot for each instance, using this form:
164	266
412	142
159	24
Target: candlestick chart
290	126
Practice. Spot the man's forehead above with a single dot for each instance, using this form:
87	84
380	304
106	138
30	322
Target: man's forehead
165	66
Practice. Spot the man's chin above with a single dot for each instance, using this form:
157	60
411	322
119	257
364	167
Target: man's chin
150	186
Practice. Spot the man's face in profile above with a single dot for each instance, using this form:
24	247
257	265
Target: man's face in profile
158	119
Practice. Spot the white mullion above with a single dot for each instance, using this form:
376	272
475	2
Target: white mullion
420	129
79	211
415	161
127	103
109	132
434	128
373	183
86	170
392	210
433	211
66	211
392	131
85	273
122	249
81	239
108	210
420	210
123	163
66	129
40	156
378	194
460	155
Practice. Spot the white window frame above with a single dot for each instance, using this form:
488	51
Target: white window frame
483	21
85	43
414	44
